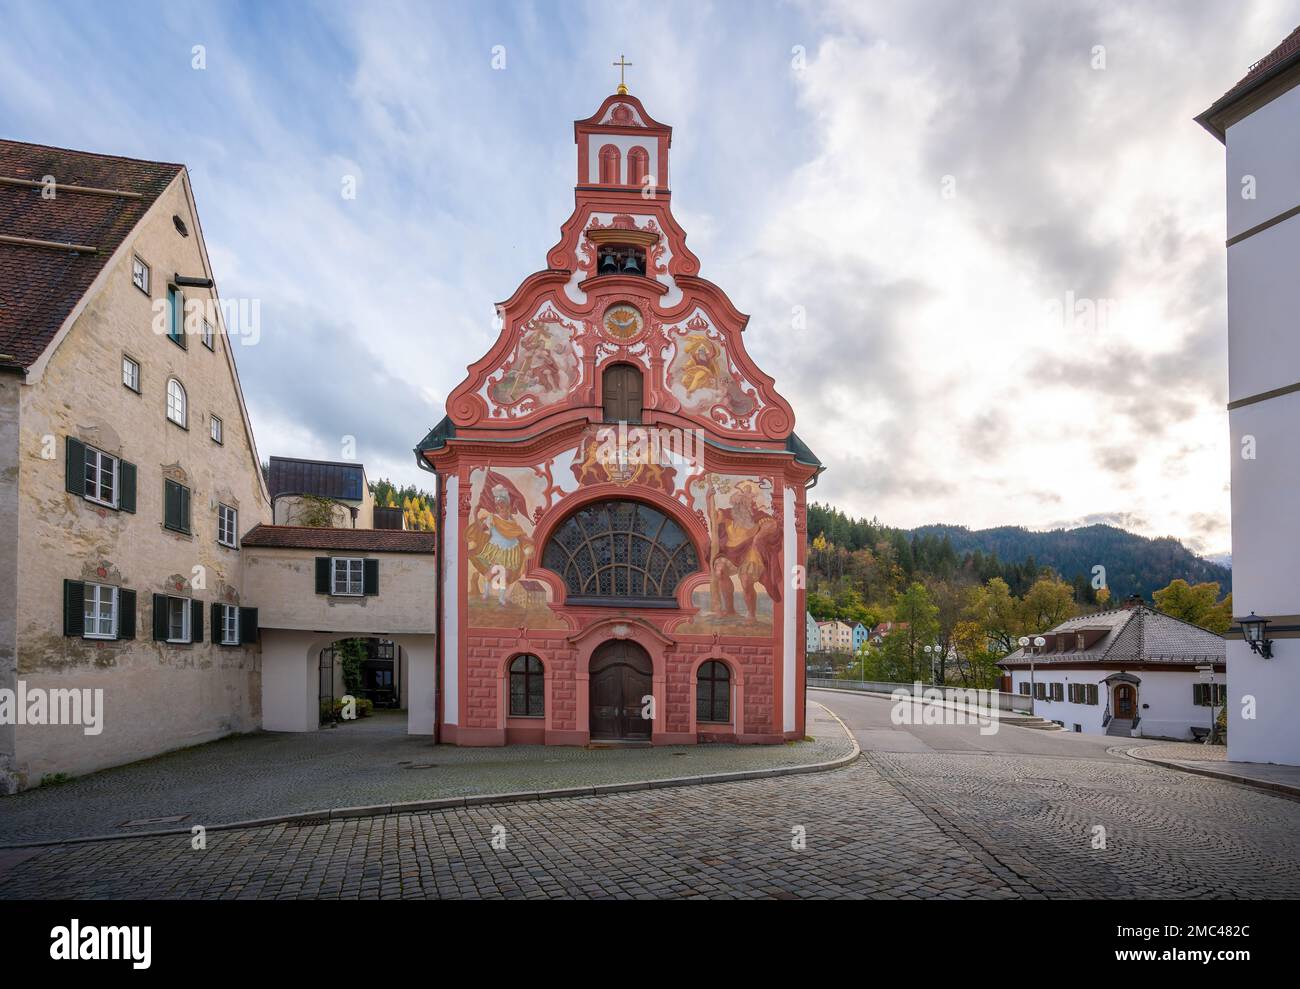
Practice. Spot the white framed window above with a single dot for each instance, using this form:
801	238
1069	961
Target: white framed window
140	275
101	477
229	625
177	405
207	334
100	612
131	373
214	428
178	619
348	575
227	525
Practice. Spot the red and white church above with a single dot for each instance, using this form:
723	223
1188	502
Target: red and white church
623	527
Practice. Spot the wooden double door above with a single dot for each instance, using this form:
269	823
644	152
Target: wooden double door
621	678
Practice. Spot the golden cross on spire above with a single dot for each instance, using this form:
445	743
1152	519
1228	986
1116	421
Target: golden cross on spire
621	65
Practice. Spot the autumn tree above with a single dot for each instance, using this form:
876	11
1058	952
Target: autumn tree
1197	604
1046	604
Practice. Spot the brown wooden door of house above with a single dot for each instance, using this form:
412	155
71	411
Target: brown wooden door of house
1124	701
621	678
621	385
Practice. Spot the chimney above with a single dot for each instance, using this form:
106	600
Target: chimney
1133	601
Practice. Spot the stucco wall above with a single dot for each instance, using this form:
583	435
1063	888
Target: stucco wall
157	696
9	438
282	582
1264	354
1165	701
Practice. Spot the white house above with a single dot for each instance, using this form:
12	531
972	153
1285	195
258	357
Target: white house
1258	121
1130	672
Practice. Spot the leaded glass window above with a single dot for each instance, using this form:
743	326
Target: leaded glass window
713	692
621	552
527	690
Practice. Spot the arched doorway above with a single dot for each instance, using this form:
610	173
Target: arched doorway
622	677
1125	701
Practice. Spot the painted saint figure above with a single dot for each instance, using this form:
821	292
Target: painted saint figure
744	542
499	547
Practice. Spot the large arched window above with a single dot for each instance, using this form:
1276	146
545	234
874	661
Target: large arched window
638	164
177	410
609	165
622	388
713	693
527	691
621	553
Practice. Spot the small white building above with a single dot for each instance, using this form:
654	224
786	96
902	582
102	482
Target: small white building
1131	672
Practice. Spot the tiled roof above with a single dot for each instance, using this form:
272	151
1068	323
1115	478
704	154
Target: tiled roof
1276	61
1136	635
39	286
360	540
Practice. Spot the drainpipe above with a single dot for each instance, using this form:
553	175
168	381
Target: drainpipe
437	597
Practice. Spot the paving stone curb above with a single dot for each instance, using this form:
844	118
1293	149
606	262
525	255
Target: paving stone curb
479	799
1269	786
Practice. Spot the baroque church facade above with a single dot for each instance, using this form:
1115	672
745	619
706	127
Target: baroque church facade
623	516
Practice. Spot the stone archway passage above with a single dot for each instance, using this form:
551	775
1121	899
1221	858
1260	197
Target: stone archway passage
622	676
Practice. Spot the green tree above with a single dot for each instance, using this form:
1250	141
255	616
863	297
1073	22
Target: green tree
918	627
1046	604
1197	604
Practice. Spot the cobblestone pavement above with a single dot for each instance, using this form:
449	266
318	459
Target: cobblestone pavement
1186	752
896	824
372	761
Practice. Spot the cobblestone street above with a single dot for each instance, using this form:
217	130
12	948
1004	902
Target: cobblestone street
906	825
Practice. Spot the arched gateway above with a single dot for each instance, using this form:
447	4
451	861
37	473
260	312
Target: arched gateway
622	494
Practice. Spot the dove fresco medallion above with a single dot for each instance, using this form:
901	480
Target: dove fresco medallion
622	323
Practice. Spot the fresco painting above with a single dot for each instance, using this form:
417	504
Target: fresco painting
504	503
744	556
542	369
699	376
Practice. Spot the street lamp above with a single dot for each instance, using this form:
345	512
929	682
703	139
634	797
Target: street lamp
1255	631
1038	643
931	654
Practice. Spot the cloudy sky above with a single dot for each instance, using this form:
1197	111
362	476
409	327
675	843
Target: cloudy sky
1002	224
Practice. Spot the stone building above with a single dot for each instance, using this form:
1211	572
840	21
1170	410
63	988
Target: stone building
622	492
128	469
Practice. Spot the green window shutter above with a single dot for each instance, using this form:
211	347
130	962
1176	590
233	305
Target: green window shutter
160	617
247	625
185	509
125	614
75	461
74	608
322	575
196	621
171	504
216	624
126	486
370	577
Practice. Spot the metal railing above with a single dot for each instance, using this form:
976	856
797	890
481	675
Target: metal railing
1018	703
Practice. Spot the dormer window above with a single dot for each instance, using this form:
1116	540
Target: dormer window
619	259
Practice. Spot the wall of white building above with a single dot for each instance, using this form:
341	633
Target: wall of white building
1165	701
1264	354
